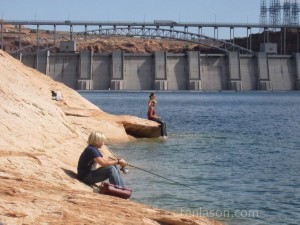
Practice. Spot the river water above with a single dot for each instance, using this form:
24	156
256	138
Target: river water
240	151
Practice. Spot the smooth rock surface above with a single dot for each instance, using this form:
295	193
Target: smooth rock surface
41	140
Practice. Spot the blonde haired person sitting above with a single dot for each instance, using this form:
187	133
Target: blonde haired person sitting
91	156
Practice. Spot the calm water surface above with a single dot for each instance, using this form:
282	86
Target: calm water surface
241	151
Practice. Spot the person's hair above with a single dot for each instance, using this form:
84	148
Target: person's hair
151	95
96	138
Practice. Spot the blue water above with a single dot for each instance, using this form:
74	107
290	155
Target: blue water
241	151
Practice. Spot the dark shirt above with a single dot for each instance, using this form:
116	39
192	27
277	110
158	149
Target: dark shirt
86	161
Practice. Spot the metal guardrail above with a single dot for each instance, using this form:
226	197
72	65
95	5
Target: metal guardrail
146	23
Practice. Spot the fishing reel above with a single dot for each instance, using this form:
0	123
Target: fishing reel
124	170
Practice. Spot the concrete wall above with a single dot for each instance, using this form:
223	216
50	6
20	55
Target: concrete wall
64	67
234	67
297	68
177	75
282	73
248	69
194	73
139	72
101	71
167	71
264	82
29	59
214	72
85	65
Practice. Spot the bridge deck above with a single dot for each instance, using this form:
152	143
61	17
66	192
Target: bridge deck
149	24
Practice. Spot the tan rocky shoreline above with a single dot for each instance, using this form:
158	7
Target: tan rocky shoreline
41	140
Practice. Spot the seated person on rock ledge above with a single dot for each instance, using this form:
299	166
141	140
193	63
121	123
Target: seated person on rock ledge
91	156
151	97
154	117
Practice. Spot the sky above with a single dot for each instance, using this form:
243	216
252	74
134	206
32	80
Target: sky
234	11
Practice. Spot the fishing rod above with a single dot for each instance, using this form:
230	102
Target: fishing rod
176	182
125	171
147	171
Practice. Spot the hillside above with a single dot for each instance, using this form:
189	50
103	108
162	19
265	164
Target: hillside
41	140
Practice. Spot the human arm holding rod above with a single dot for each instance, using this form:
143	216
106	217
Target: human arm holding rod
103	162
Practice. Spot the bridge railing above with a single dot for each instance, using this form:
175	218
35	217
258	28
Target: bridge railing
146	23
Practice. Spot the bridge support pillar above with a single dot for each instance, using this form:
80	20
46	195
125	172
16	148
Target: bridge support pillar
235	82
236	85
195	85
117	85
297	59
85	84
161	85
42	62
117	82
265	85
86	65
18	56
194	70
264	82
117	65
160	60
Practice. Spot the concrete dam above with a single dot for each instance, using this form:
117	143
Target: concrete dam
194	71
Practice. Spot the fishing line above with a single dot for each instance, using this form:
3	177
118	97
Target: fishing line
176	182
147	171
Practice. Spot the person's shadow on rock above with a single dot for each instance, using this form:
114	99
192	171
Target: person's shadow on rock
70	173
73	175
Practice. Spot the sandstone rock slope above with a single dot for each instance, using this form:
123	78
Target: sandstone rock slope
41	140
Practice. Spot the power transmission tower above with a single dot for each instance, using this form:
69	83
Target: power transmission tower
287	8
275	12
263	12
290	11
295	12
